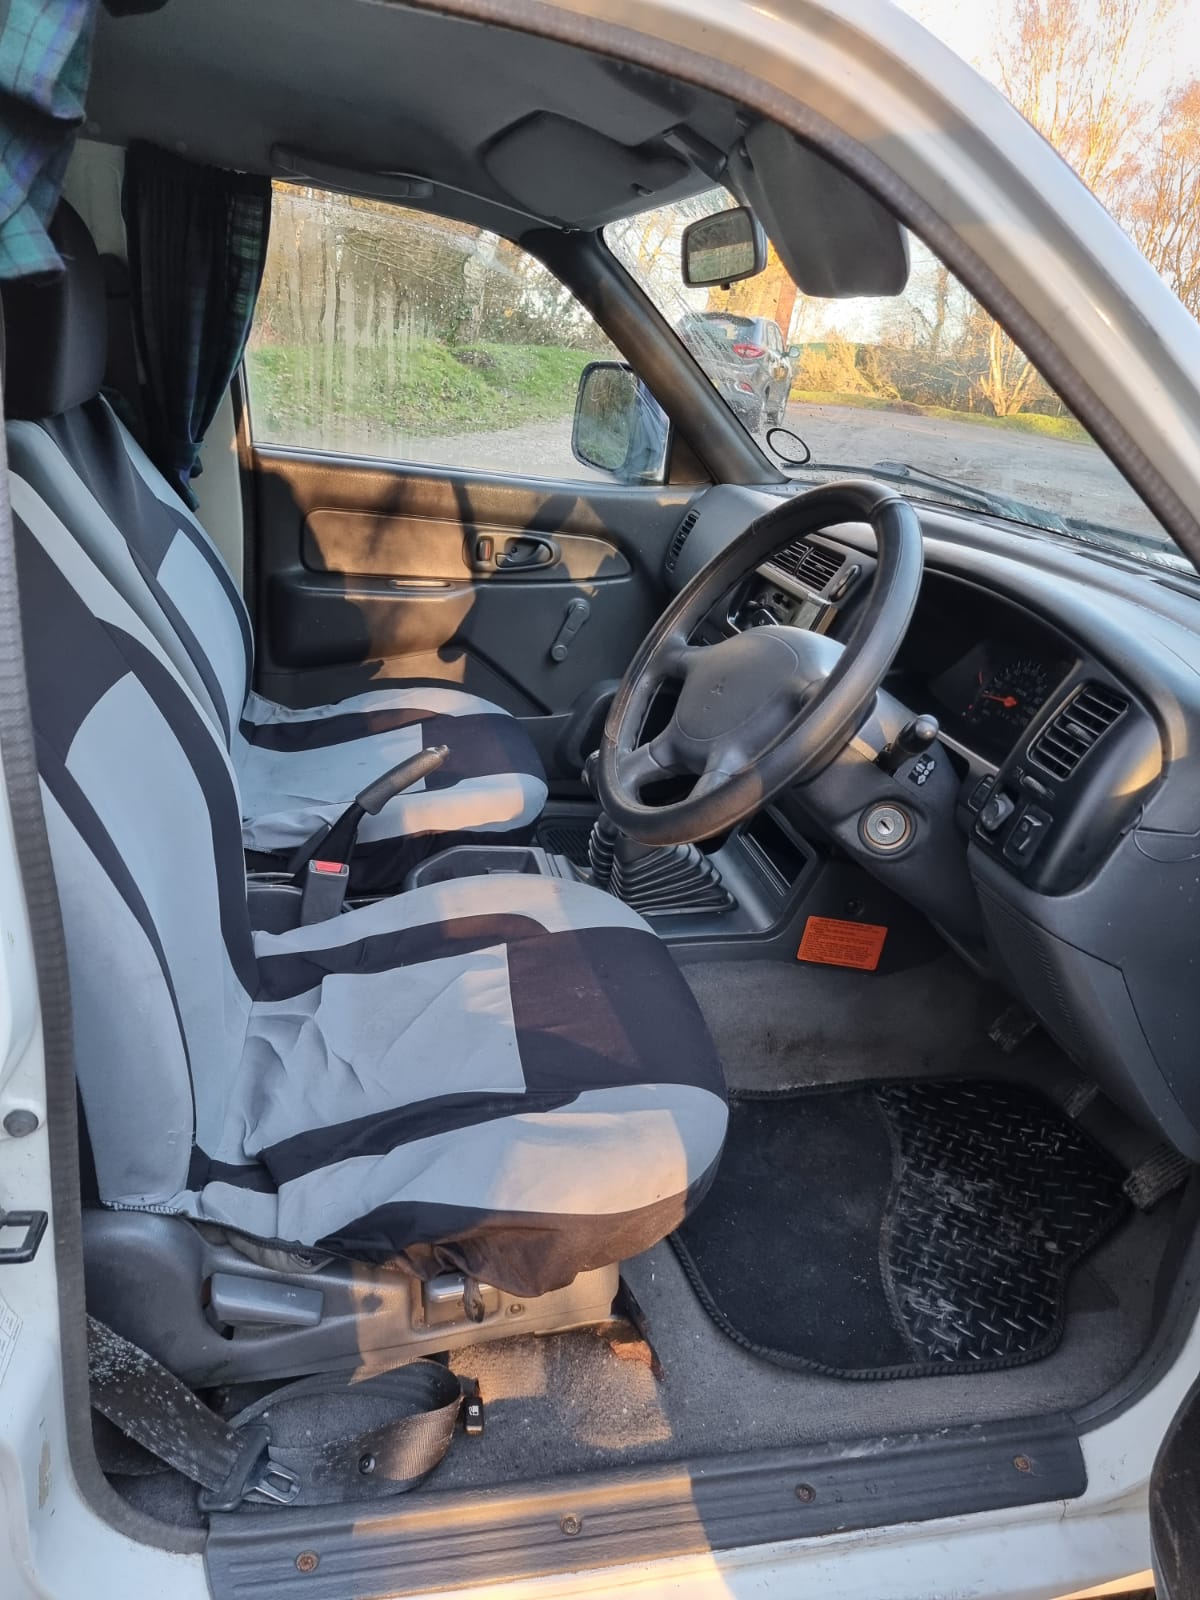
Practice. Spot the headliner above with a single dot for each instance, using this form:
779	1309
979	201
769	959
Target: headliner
369	87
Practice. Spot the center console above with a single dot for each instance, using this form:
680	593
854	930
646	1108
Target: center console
773	879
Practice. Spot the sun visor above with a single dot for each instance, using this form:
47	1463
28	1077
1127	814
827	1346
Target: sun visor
568	173
834	238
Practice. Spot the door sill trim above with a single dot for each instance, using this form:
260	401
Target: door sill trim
430	1541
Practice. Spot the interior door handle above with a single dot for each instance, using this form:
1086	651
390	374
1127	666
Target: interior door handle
528	550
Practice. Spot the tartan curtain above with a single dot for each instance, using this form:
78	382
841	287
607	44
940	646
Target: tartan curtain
45	54
197	241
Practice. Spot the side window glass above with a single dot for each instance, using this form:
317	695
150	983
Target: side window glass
390	333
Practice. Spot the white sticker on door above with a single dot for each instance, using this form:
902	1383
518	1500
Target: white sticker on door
10	1328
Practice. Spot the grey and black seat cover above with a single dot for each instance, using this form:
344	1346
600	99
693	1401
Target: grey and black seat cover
504	1076
296	768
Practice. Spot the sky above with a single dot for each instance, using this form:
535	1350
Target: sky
968	27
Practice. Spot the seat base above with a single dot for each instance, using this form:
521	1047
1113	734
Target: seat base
214	1315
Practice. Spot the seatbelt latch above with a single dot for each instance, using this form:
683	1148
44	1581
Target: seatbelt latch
252	1475
472	1412
324	890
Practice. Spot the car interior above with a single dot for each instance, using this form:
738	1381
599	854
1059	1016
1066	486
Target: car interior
701	952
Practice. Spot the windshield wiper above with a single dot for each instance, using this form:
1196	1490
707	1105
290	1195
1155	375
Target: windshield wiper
1001	505
998	505
1102	535
1140	547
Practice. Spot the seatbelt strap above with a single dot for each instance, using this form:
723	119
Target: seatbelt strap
393	1429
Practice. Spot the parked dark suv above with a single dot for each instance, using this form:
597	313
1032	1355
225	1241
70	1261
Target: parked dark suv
746	357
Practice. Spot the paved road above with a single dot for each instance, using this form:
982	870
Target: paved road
1072	479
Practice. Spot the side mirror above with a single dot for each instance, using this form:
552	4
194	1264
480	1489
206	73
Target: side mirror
722	249
794	352
619	427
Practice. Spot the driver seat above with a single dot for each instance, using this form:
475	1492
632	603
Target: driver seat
503	1078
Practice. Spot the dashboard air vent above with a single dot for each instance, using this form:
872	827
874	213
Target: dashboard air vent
1086	717
812	564
681	538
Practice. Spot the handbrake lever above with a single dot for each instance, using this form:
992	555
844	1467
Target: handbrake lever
335	840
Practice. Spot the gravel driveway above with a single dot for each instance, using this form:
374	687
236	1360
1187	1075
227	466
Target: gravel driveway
1057	474
1072	479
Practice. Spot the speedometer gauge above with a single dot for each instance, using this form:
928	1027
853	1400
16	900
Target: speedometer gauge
1011	693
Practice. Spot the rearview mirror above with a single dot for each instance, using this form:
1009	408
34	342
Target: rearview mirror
722	249
619	427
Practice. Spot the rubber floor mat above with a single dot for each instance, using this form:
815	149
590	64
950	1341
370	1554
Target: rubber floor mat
898	1229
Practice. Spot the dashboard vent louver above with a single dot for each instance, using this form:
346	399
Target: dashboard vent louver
812	564
1085	718
681	538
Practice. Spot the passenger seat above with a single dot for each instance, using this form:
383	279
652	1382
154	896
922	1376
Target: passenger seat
296	768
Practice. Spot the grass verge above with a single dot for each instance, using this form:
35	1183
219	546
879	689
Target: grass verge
420	388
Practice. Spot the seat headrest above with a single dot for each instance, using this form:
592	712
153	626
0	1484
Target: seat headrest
56	328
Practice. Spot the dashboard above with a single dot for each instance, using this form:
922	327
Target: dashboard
1058	849
983	667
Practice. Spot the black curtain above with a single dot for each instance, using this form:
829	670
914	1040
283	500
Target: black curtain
197	241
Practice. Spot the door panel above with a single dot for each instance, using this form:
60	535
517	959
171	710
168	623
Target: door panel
364	544
369	572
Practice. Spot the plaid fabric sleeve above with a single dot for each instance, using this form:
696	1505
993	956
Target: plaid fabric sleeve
45	53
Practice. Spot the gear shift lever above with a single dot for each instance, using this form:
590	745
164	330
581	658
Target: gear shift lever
651	878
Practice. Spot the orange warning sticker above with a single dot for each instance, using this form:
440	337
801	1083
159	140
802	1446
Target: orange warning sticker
842	944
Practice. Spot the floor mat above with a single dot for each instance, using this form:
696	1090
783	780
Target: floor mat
898	1229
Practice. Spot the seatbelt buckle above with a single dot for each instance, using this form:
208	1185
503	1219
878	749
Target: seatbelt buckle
324	890
253	1476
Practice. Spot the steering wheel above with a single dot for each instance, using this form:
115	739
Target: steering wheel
766	708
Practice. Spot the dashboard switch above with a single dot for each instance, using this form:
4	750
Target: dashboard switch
1026	837
922	769
980	793
996	812
846	582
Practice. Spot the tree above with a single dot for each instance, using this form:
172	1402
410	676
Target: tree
1076	70
1009	379
1163	211
770	293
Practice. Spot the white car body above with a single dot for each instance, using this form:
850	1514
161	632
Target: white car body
866	82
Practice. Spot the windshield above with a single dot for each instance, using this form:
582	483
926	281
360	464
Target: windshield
923	388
